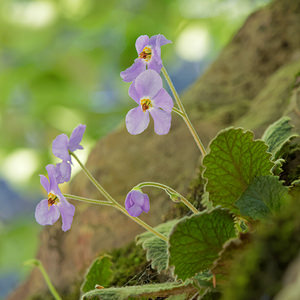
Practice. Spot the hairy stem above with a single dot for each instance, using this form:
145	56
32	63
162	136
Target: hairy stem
167	188
115	203
38	263
87	200
183	113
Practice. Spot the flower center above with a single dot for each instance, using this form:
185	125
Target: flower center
146	54
146	104
52	199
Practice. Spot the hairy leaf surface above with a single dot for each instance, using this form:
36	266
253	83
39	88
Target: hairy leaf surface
277	134
234	160
156	249
133	292
196	241
99	273
264	196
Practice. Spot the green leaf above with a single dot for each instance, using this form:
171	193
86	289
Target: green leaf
277	168
135	292
277	134
263	197
203	280
196	241
98	274
156	249
234	160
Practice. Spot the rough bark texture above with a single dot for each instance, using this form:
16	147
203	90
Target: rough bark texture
249	85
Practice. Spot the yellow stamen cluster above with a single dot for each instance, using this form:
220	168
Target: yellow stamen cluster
146	54
52	199
146	104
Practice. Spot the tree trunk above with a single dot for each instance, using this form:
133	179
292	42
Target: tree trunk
249	85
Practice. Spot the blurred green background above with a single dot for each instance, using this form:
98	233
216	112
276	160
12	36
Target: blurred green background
59	66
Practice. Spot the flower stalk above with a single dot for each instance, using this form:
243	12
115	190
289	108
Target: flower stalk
183	113
170	192
88	200
38	263
114	203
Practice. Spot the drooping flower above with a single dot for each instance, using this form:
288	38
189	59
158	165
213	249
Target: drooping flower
148	92
48	210
62	144
136	202
149	55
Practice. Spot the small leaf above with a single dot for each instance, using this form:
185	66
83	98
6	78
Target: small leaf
196	241
157	249
136	292
263	197
234	160
203	280
277	134
99	273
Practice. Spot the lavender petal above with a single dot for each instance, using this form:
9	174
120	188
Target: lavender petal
146	204
162	121
45	183
76	138
132	92
155	64
132	72
45	215
163	100
141	42
148	83
67	211
52	179
63	172
137	120
60	147
135	210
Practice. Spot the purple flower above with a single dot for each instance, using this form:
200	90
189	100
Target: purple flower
62	172
147	91
48	210
149	55
136	202
62	145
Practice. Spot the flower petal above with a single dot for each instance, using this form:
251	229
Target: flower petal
162	120
133	93
76	138
163	100
136	202
67	211
45	215
146	205
141	42
60	147
45	183
159	40
62	172
135	210
137	120
156	41
52	179
148	83
132	72
155	64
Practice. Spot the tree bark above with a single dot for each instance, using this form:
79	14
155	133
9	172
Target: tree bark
249	85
